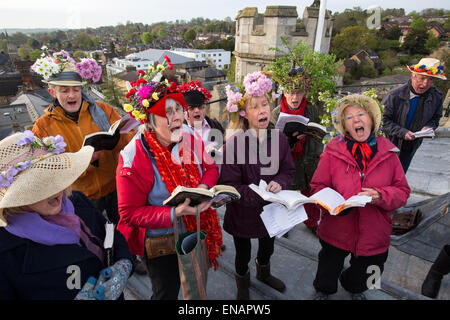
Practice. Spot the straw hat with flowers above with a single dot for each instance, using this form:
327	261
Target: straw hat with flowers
33	169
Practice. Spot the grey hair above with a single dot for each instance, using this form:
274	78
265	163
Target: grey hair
150	125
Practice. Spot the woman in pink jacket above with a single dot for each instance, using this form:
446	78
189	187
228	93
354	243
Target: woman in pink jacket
357	162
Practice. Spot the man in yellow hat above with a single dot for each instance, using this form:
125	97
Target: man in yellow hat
73	115
414	106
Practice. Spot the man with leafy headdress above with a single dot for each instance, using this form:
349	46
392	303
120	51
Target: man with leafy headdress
302	73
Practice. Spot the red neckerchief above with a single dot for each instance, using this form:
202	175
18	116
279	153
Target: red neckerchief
297	151
363	157
188	175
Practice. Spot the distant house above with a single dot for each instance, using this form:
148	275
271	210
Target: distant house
122	78
369	56
209	77
144	59
218	58
23	111
185	70
436	29
405	27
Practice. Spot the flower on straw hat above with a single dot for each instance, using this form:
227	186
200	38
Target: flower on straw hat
28	163
429	67
55	145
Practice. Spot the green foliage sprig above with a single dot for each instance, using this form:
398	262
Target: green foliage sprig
318	73
329	118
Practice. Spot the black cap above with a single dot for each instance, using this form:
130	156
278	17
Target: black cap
194	98
66	76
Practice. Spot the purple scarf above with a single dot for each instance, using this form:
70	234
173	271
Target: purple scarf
62	228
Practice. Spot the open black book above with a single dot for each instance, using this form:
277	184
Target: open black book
219	195
291	123
107	140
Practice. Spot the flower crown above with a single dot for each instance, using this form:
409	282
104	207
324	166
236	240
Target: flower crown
50	65
330	102
195	85
255	84
54	145
147	90
430	70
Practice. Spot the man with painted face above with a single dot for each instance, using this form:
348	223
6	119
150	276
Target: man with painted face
73	115
414	106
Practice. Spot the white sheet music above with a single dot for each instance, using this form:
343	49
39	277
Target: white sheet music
278	220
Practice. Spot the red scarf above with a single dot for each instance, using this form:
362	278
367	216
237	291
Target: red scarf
297	151
187	175
361	151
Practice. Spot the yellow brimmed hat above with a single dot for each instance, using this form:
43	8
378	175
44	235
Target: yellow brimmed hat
33	169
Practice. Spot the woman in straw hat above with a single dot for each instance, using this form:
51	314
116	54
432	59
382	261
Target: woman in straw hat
251	141
161	157
357	162
51	242
413	106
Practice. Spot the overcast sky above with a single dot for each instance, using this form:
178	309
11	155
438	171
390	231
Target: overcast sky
89	13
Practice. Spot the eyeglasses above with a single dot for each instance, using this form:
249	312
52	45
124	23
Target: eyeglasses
359	115
172	111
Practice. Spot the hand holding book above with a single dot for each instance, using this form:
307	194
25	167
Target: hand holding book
374	194
185	209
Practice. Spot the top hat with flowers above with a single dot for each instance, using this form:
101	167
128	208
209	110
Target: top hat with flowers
194	93
255	84
148	93
27	163
429	67
61	69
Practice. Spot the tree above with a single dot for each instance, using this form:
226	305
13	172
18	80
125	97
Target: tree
352	39
446	24
3	45
147	38
35	54
24	52
348	18
82	41
231	74
190	35
418	23
114	95
415	42
33	43
432	42
394	33
18	39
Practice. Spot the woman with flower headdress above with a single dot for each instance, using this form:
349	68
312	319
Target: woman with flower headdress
162	156
249	111
357	163
74	114
51	239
